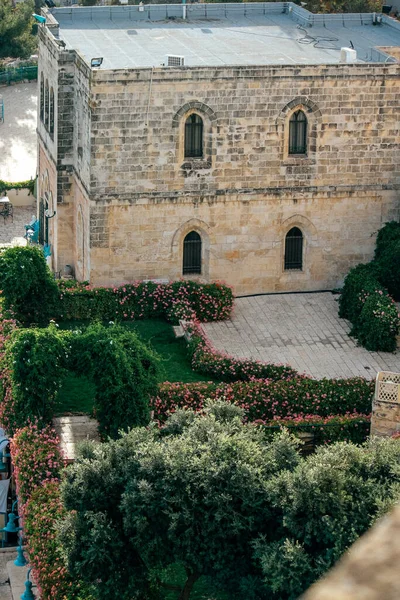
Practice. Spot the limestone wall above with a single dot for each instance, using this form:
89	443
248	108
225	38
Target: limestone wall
385	419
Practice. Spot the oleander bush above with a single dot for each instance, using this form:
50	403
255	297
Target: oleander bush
38	464
28	287
266	400
208	361
368	292
146	300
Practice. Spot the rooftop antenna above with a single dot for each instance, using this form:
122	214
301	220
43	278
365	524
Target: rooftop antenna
351	45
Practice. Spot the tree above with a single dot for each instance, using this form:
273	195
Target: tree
325	504
218	499
27	284
16	38
192	495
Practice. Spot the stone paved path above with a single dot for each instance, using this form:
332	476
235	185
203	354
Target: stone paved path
12	231
302	330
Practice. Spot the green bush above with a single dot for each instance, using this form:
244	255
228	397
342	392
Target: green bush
378	324
124	370
388	234
361	278
27	284
367	304
389	267
34	364
146	300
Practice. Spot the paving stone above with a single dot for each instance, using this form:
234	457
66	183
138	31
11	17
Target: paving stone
303	330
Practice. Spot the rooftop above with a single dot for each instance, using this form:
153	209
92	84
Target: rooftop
221	34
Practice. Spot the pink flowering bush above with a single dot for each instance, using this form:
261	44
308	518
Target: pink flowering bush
208	361
146	300
36	458
295	401
379	322
37	464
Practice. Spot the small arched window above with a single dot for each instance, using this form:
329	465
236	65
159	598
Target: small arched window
192	254
51	113
294	250
194	137
298	133
41	98
46	105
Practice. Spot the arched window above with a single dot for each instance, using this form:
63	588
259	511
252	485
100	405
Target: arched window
298	133
192	254
51	113
194	137
46	105
41	98
294	250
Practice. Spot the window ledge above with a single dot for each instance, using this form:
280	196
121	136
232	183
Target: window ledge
298	159
196	164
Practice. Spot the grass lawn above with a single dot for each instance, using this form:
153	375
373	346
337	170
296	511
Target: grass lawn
77	393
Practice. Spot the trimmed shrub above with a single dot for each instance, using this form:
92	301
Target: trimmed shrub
388	234
208	361
28	286
266	401
360	279
146	300
389	267
378	324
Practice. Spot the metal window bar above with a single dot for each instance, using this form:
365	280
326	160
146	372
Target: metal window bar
192	254
51	111
42	98
294	250
194	137
46	105
298	133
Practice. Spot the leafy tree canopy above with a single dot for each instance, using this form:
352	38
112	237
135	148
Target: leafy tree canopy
217	498
16	38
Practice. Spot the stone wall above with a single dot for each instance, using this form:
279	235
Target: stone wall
385	419
247	192
121	169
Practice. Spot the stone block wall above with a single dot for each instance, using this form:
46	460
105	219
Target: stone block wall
385	419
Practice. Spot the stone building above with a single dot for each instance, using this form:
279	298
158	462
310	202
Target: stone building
233	142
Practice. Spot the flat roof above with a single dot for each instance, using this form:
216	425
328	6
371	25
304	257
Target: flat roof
220	34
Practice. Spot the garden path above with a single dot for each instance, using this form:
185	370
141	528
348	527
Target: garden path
302	330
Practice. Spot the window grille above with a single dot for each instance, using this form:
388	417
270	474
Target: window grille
192	254
46	105
194	137
294	250
43	223
298	133
51	113
41	98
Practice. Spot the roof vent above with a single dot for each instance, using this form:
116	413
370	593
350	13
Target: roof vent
173	60
348	55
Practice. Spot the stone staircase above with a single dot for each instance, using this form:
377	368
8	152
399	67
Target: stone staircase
74	429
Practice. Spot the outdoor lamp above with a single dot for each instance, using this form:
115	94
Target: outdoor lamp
3	445
11	527
96	62
28	594
20	561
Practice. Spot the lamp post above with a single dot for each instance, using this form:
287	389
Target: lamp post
28	594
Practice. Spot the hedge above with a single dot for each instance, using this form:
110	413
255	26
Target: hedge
265	400
146	300
372	312
37	464
208	361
